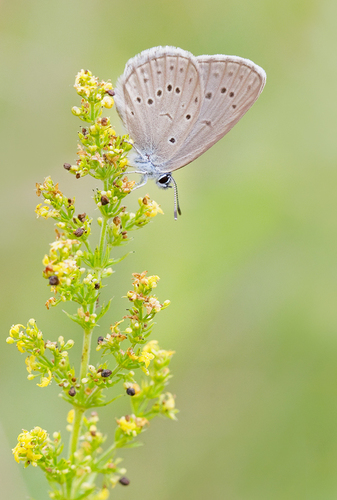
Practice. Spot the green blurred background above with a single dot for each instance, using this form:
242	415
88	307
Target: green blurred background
250	267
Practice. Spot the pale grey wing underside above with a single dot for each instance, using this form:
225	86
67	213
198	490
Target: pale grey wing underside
158	98
231	86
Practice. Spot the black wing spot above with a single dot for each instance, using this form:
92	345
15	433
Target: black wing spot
169	88
150	101
207	122
177	90
159	93
132	113
146	80
223	90
230	73
249	87
158	72
208	95
171	67
172	140
181	70
216	75
234	106
139	99
196	99
190	80
231	94
188	117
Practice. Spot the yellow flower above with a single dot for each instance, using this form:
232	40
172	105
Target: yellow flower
15	329
131	354
107	102
151	346
30	362
145	358
45	380
127	426
21	346
29	444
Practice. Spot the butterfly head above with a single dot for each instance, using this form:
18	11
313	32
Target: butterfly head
164	181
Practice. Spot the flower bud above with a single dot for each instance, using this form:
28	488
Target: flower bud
76	111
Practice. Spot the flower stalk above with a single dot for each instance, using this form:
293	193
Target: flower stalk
131	365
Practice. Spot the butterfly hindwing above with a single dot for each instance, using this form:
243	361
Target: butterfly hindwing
231	86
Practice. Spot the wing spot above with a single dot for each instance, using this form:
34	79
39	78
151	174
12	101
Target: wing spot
207	122
139	99
171	67
249	87
169	88
159	93
158	72
234	106
231	94
188	117
190	80
216	75
177	90
208	95
150	101
172	140
196	99
230	73
132	113
223	90
181	70
146	80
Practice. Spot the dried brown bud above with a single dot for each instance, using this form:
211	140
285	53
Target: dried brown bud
124	481
106	373
67	166
104	200
100	340
130	391
53	280
145	200
116	220
72	391
104	121
110	92
125	235
79	232
97	286
78	176
81	217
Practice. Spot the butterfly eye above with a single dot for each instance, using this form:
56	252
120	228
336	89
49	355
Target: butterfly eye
164	180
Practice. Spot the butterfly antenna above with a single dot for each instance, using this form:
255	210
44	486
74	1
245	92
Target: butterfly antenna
176	200
134	147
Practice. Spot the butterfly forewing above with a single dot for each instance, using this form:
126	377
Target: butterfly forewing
159	98
231	86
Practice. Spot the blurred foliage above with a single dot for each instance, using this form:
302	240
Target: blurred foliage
250	267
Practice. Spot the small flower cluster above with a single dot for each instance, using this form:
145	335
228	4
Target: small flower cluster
36	448
62	209
30	445
30	340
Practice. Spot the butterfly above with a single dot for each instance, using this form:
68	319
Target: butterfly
175	106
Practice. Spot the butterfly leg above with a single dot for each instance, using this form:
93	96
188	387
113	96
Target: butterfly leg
142	181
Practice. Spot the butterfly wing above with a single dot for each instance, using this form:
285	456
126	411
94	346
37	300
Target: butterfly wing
159	98
231	86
